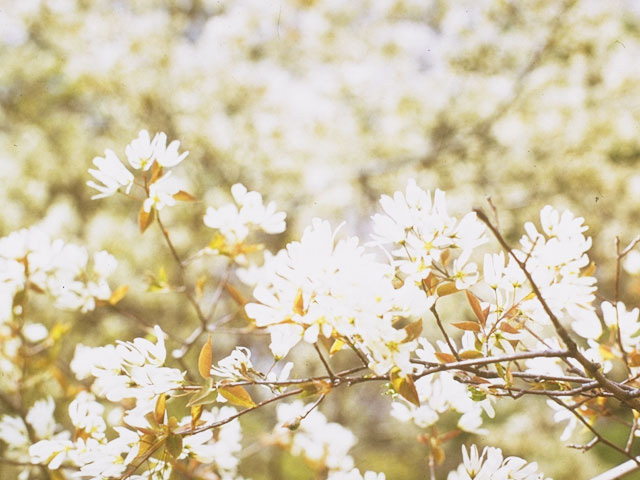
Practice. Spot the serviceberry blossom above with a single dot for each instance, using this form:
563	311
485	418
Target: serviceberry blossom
440	393
234	222
167	156
142	152
62	270
237	366
161	193
491	465
219	448
129	369
335	289
323	443
556	259
112	173
421	230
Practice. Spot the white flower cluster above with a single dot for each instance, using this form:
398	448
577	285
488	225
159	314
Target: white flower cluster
234	222
491	465
128	370
556	258
219	449
142	153
335	289
30	258
422	231
325	445
320	286
15	434
440	393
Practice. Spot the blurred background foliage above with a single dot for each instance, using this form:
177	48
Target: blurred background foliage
323	105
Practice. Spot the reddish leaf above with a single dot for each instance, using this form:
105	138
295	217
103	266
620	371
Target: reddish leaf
468	326
475	306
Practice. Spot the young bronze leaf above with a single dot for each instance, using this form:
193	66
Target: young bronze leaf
118	294
468	326
156	172
445	357
184	196
413	330
446	289
505	327
475	306
205	359
145	219
405	387
237	395
160	408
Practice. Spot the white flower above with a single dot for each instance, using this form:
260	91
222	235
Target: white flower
221	448
490	465
167	156
235	222
40	417
86	415
465	274
112	173
161	193
627	320
141	150
235	366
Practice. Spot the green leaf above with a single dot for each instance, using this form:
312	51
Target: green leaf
174	445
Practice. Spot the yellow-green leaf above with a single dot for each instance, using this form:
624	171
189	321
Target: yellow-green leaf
174	445
118	294
237	395
196	413
205	358
160	408
336	346
470	354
